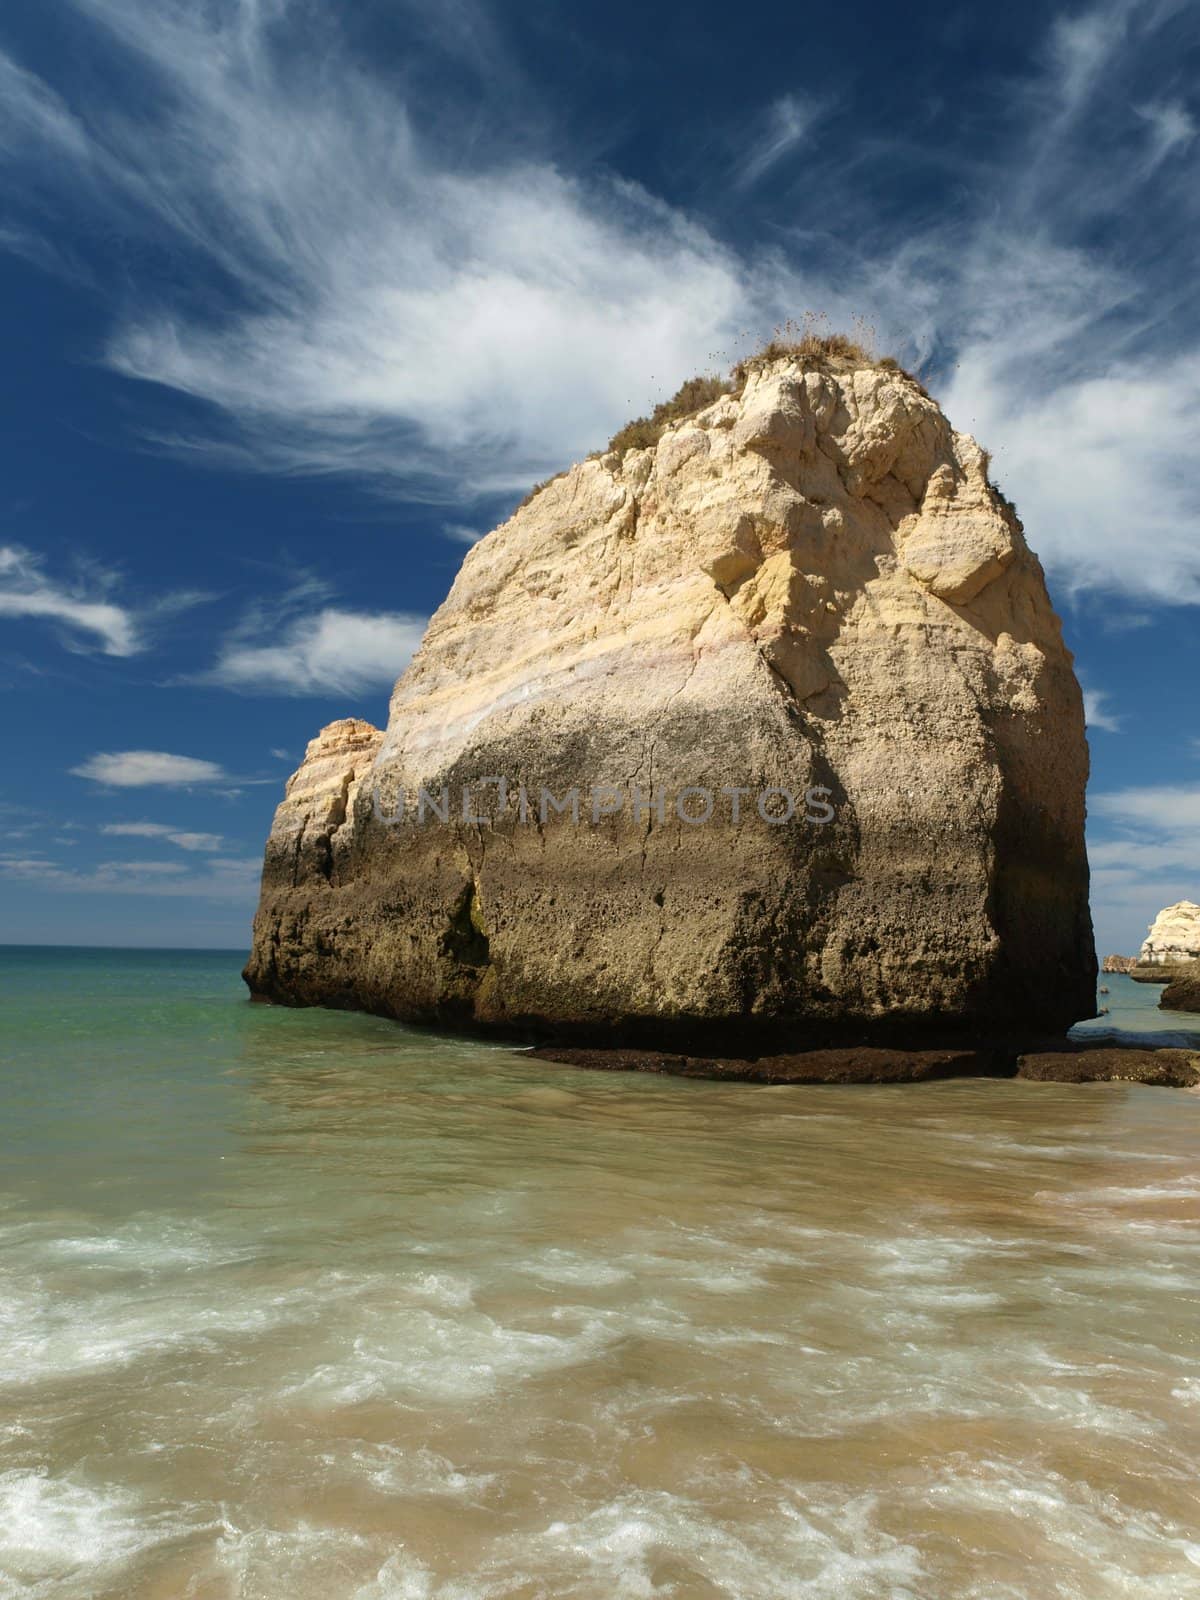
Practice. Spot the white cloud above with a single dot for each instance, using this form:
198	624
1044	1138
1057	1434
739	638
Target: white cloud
1082	45
1144	851
83	604
459	321
26	591
330	652
1099	466
280	755
417	310
232	880
1172	127
141	869
134	769
161	830
460	533
37	119
1174	809
1095	714
785	124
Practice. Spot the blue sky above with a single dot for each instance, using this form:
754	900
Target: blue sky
297	298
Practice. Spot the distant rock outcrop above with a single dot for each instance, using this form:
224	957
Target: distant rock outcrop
1172	943
806	593
1123	964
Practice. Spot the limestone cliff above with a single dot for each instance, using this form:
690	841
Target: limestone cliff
808	586
1124	964
1171	945
1174	937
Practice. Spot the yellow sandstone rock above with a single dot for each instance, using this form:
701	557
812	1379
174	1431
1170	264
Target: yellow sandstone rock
807	586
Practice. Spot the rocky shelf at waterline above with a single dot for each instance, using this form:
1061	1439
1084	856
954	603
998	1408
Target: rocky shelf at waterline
1062	1063
808	584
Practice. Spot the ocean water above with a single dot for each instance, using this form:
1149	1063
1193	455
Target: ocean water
1134	1016
300	1304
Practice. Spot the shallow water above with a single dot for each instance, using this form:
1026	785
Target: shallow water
303	1304
1134	1016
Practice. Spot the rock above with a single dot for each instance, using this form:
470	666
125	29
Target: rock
1172	943
1172	1069
1174	936
1176	1069
300	854
810	585
1183	992
861	1064
1123	964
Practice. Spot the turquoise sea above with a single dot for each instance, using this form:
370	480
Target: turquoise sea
305	1304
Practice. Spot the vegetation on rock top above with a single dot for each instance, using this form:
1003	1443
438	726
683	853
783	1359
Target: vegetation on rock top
821	350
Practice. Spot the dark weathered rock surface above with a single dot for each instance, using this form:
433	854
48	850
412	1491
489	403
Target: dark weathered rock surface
1183	992
1174	1069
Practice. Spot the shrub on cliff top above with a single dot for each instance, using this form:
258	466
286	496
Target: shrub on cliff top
644	432
796	342
813	349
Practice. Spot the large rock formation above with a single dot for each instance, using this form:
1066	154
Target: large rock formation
809	586
1122	964
1172	944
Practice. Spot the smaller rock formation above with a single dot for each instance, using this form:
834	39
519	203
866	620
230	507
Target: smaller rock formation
1183	991
1172	943
304	841
1123	964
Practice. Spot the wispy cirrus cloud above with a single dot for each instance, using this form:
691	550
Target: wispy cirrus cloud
457	317
84	605
1095	714
81	606
1171	125
401	307
783	127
